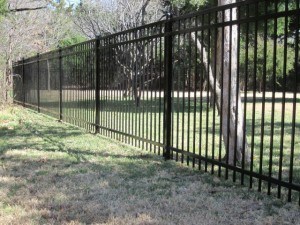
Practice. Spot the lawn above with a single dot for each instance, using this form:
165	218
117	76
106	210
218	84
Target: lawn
195	127
54	173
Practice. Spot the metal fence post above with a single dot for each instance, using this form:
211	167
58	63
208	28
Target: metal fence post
38	80
97	89
60	85
23	80
168	88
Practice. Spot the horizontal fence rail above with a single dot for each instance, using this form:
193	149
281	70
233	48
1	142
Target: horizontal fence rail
218	89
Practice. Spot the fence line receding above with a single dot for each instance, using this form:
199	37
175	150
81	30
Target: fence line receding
218	89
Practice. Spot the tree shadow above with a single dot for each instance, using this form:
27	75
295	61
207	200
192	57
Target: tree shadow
65	186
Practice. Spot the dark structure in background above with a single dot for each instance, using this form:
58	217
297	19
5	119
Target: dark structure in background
155	87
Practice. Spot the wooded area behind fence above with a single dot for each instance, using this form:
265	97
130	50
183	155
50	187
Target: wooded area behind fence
217	89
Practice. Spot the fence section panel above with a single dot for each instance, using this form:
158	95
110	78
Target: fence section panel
131	86
78	84
31	83
18	91
236	93
49	83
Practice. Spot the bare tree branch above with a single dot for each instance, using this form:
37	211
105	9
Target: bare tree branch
26	9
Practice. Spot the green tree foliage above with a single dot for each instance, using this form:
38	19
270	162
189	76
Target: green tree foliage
71	41
28	27
3	7
260	66
186	6
266	66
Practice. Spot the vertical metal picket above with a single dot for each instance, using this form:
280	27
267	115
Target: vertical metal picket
23	80
60	84
97	89
168	88
38	81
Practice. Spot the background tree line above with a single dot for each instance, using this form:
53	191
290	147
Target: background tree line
30	26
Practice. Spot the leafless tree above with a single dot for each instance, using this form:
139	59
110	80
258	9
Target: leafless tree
94	18
28	28
99	18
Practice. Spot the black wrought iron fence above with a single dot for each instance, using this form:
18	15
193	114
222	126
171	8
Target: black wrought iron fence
217	89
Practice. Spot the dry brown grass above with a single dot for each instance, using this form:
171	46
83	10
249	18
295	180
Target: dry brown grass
52	173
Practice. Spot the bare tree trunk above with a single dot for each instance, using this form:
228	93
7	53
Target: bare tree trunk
232	111
229	100
8	72
210	80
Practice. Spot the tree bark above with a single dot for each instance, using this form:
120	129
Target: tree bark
228	101
26	9
232	110
8	71
211	79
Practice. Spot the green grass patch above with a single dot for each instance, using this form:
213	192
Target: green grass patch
54	173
